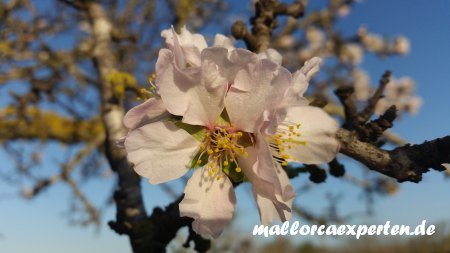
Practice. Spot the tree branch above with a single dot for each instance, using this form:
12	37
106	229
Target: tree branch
264	22
130	206
32	123
147	234
406	163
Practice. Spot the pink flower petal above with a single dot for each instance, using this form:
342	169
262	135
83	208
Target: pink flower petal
160	151
223	41
272	211
207	97
187	46
264	175
150	111
311	67
174	83
259	86
196	93
300	79
271	54
209	202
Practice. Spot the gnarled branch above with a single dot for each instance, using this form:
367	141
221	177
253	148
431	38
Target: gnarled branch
406	163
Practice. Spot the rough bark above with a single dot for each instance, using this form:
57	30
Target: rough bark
128	198
406	163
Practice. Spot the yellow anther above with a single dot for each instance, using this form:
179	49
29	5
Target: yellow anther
238	169
215	158
284	163
225	163
199	161
298	126
216	150
218	177
210	151
239	134
208	135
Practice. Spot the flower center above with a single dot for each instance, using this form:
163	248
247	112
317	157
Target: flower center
220	148
152	91
287	135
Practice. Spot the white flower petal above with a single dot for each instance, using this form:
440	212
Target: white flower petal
187	46
196	93
271	54
209	202
271	187
300	79
223	41
259	86
241	57
150	111
271	211
269	183
174	83
206	100
311	67
317	129
160	151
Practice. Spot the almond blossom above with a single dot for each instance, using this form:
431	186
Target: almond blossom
230	116
400	92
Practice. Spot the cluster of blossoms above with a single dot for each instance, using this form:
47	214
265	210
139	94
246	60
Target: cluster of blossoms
377	44
399	92
229	115
351	52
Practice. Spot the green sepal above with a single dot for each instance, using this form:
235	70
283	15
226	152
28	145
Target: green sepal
198	132
223	119
203	158
230	170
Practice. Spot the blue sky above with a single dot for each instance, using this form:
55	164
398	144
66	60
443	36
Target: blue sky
40	226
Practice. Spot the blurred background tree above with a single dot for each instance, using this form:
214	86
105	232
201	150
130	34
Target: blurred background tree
69	70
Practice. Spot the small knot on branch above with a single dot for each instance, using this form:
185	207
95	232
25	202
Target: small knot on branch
375	128
316	174
336	168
